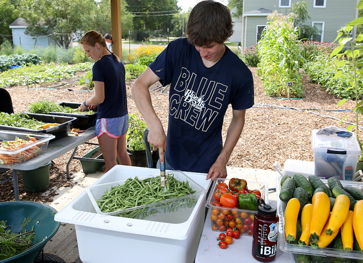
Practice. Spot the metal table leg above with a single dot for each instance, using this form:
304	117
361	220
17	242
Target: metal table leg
15	183
69	161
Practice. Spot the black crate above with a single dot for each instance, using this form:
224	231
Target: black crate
83	122
65	124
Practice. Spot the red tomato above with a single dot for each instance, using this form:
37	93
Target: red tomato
217	196
222	185
243	191
228	200
245	227
222	228
229	232
236	234
221	236
236	184
257	193
223	244
248	221
236	195
250	232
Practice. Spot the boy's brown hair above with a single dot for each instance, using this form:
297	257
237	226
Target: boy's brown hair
209	22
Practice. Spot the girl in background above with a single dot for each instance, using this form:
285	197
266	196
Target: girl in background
110	97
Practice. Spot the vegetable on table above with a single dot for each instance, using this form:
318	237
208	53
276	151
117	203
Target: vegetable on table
357	222
325	239
236	184
291	216
302	181
228	200
305	224
320	215
339	214
248	201
287	190
347	232
135	192
340	191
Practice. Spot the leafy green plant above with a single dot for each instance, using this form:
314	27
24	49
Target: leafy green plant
18	60
46	106
134	70
280	58
42	73
135	134
13	244
49	54
351	57
87	76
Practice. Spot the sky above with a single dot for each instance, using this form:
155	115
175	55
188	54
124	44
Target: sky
185	4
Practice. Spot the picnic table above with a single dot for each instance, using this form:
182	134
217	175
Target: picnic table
55	149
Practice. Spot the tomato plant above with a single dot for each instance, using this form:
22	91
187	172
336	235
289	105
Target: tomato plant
228	200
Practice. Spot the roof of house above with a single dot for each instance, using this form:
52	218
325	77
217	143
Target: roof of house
19	22
259	11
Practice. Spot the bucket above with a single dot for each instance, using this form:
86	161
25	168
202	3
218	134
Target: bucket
36	180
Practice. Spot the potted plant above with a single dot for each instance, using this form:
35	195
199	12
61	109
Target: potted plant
351	64
135	141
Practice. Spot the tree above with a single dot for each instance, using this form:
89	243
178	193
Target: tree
60	19
150	15
101	18
300	15
8	14
238	5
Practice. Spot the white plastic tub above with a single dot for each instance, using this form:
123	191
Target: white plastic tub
172	237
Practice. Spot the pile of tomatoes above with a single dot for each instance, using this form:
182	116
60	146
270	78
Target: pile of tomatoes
226	213
226	239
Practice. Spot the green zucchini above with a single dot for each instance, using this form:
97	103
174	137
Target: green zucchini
302	196
332	202
340	191
287	190
333	181
283	179
355	192
303	182
317	183
319	189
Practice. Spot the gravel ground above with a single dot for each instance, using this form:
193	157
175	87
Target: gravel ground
275	129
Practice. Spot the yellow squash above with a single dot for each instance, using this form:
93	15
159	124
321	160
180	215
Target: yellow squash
291	215
325	239
320	215
347	232
339	214
305	224
358	222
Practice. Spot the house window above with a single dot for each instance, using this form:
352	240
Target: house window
285	3
259	31
320	36
320	3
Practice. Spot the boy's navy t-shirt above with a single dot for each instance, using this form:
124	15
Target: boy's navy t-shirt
112	72
198	99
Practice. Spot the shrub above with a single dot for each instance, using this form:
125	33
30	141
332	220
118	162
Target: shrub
49	54
144	51
134	70
65	56
6	48
250	56
82	80
19	50
80	56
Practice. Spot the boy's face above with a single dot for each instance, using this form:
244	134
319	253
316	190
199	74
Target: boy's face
212	52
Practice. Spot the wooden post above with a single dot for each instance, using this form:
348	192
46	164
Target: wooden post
116	27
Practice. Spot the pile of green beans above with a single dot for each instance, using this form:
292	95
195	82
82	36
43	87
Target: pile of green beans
135	192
